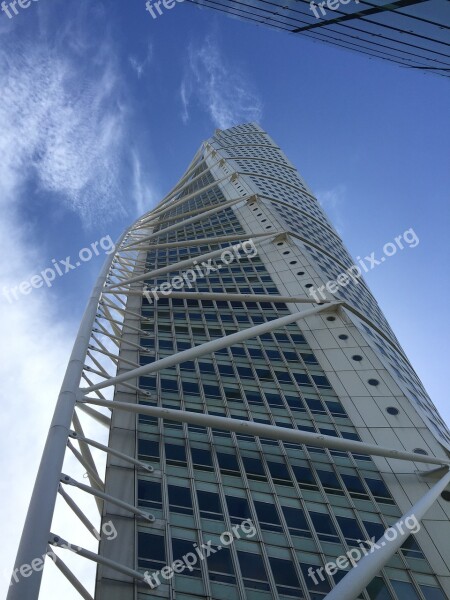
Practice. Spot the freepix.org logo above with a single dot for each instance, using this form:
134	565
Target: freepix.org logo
59	268
202	270
354	555
202	552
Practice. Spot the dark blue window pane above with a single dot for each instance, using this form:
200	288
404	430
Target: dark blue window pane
295	519
377	590
285	577
151	551
149	493
238	508
253	571
228	463
148	448
209	504
175	453
180	499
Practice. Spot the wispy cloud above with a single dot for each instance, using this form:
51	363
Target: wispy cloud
222	90
144	193
332	201
61	130
139	66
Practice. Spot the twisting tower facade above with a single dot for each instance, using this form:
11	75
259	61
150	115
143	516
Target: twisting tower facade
259	436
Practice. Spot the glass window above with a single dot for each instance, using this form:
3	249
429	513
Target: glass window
335	408
285	577
315	406
279	472
404	590
354	485
220	567
149	493
179	549
267	516
317	586
295	403
209	504
148	449
180	500
350	528
151	551
238	509
295	519
202	458
321	381
253	467
377	590
379	490
324	527
330	482
431	593
228	463
253	571
175	454
305	477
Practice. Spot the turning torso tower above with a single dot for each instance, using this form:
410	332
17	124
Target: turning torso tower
262	436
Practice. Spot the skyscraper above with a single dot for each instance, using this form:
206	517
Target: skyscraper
266	430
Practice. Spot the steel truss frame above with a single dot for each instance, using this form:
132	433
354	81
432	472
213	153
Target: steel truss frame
94	360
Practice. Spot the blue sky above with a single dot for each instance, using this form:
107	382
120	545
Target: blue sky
102	108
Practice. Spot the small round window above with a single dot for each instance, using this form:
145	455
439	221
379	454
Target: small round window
373	382
392	410
357	357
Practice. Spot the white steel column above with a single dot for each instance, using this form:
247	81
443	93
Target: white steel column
362	574
266	431
34	539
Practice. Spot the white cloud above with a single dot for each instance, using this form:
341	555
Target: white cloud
222	90
140	66
332	202
144	193
61	128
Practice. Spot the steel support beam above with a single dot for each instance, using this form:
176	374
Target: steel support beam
231	297
212	346
113	452
362	574
34	539
59	542
61	565
80	514
267	431
66	479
